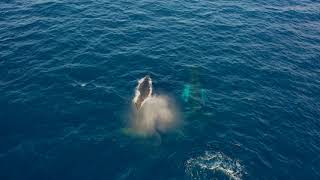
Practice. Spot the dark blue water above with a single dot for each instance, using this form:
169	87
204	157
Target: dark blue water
68	70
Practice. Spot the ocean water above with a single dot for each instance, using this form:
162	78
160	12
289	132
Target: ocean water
245	77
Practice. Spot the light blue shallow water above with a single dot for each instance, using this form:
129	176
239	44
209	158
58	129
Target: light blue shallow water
245	75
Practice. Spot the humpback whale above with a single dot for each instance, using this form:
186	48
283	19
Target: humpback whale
143	91
152	113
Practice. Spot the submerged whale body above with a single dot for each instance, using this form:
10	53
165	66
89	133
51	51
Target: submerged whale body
143	91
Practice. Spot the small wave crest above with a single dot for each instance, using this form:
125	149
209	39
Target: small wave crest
213	165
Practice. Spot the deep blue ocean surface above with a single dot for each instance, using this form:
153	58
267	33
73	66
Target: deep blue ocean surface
245	76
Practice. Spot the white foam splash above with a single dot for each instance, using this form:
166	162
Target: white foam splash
212	163
157	114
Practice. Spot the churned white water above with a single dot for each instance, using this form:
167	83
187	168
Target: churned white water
212	165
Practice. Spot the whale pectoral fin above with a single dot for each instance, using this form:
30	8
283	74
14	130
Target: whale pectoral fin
186	92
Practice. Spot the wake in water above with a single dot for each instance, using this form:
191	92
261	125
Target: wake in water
152	113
